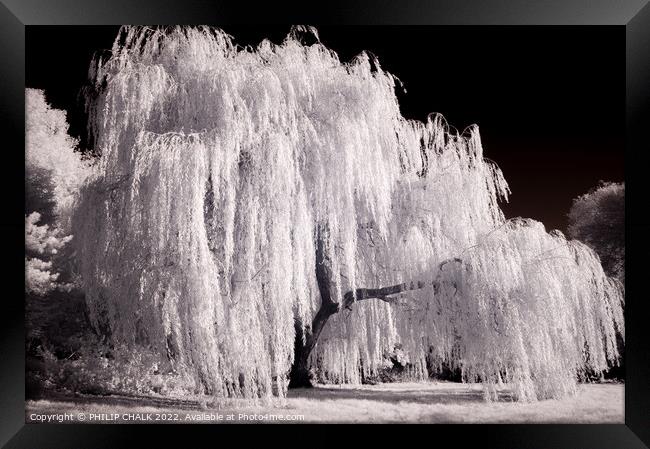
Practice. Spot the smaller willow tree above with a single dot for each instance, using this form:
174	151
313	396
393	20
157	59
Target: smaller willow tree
250	198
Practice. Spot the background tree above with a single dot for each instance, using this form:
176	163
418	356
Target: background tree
258	209
597	218
54	171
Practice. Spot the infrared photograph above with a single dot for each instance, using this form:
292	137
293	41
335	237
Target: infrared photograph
324	224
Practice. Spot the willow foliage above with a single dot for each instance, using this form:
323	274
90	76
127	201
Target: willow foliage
222	166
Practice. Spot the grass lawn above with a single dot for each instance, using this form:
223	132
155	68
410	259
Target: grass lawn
430	402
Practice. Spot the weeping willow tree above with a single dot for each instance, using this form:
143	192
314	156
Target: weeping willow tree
259	212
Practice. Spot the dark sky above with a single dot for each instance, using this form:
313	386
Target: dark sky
549	101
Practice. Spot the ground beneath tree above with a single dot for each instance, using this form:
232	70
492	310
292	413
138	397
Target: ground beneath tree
431	402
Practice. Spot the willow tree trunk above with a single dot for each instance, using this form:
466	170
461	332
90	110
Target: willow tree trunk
300	375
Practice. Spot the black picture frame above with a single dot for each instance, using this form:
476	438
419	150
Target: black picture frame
634	15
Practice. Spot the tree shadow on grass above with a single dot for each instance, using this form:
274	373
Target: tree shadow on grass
456	395
453	394
126	400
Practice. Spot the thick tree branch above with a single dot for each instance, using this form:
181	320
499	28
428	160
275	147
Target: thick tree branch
306	342
323	269
378	293
383	293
